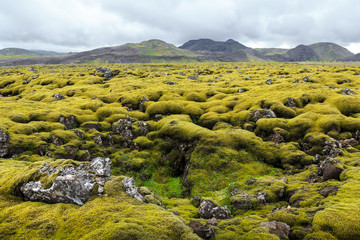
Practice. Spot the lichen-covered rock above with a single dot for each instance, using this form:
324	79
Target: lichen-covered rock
205	209
240	200
269	82
291	102
56	140
329	169
107	73
241	90
351	142
98	139
101	167
220	213
69	122
261	197
332	148
262	113
123	127
58	96
131	189
348	91
280	229
144	128
202	231
328	190
4	143
72	185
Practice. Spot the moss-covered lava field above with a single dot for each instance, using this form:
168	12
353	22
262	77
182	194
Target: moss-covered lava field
217	150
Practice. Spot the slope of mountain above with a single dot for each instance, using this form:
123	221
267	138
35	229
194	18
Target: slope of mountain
271	51
157	47
201	50
228	51
213	46
353	58
328	51
7	52
300	53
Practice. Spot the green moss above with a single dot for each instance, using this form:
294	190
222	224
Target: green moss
290	217
319	235
209	119
164	107
144	142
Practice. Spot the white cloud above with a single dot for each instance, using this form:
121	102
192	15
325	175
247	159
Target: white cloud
85	24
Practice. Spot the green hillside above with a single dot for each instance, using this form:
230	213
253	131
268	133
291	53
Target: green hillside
159	48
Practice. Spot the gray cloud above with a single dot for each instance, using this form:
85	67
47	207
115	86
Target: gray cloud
71	25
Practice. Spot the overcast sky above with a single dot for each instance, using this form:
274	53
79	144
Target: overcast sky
76	25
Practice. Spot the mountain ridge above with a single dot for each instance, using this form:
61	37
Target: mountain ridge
200	50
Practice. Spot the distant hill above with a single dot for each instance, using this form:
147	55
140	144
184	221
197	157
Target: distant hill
201	50
24	53
328	51
213	46
228	51
353	58
271	51
8	52
157	47
323	51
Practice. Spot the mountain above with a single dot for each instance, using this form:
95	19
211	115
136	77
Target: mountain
323	51
213	46
271	51
353	58
201	50
8	52
157	47
328	51
228	51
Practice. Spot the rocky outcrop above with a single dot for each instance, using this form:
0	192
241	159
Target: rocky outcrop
204	232
262	113
107	73
208	210
280	229
69	122
4	143
132	190
348	91
328	190
123	127
58	96
329	169
72	185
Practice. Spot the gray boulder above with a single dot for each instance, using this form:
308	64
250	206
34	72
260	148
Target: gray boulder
262	113
348	91
72	185
269	82
144	128
58	96
328	169
220	213
205	209
132	190
4	143
123	127
332	148
240	200
280	229
69	122
291	102
204	232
